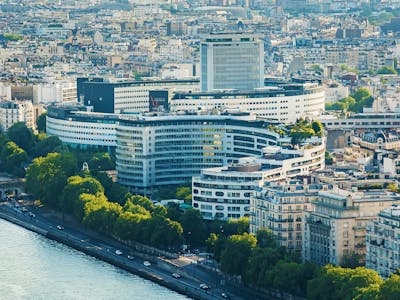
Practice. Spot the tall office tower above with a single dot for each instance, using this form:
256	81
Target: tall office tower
232	61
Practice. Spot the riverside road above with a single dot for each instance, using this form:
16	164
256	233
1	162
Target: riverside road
106	250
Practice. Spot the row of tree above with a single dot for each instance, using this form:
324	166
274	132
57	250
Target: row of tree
103	205
57	182
262	263
20	145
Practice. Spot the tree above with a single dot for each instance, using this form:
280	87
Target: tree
41	122
22	136
390	288
142	201
13	158
317	127
173	211
340	283
328	158
387	70
194	230
352	260
184	193
236	226
128	225
47	145
361	93
99	213
70	197
266	238
292	277
234	257
47	176
101	161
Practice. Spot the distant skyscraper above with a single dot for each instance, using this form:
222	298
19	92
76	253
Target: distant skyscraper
232	61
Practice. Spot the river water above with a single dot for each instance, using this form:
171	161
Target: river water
34	267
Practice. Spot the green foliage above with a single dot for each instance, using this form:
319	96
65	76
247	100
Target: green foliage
304	129
344	104
352	260
70	200
113	190
193	227
328	158
41	122
101	161
341	283
237	226
47	145
238	247
13	158
184	193
349	69
361	98
47	176
387	70
22	136
390	288
13	37
317	127
316	68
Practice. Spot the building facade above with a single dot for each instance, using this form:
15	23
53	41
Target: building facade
279	206
162	149
337	226
78	128
232	61
282	102
12	112
225	192
383	242
131	97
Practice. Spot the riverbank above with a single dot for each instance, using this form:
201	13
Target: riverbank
158	273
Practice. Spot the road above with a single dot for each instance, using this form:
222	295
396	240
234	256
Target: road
103	250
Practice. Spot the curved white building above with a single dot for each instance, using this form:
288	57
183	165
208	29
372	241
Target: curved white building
78	128
284	102
163	149
225	192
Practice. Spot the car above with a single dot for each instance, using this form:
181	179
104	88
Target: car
204	286
130	257
24	209
59	227
32	215
146	263
118	252
176	275
225	296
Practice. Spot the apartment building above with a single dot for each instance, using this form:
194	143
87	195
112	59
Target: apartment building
337	226
279	206
383	242
225	192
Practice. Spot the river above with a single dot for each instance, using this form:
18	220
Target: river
34	267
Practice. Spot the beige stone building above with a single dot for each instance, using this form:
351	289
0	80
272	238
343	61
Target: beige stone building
279	206
383	242
337	226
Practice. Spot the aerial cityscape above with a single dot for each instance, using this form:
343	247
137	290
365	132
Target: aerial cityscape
200	149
